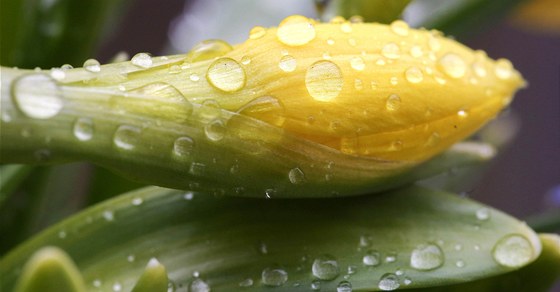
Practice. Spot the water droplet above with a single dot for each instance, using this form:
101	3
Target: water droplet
197	168
388	282
126	137
393	102
207	50
188	196
174	69
391	257
426	257
274	276
503	69
407	281
245	60
327	56
316	285
396	145
380	62
453	65
198	285
248	282
131	258
117	287
344	286
263	248
257	32
391	51
416	51
108	215
346	27
96	283
66	67
394	81
513	251
296	176
287	63
414	75
226	75
37	96
460	264
351	270
352	42
358	84
483	214
137	201
458	247
400	27
269	193
372	258
142	60
194	77
433	41
58	74
92	65
83	129
62	234
479	69
357	63
183	146
215	130
295	30
324	80
325	267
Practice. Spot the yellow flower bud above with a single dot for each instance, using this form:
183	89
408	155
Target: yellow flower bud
365	89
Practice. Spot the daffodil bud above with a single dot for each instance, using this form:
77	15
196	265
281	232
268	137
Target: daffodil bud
306	109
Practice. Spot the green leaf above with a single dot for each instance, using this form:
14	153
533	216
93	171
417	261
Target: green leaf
370	10
432	238
10	178
50	270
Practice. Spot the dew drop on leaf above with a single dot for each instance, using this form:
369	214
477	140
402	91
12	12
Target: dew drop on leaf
325	267
399	27
426	257
142	60
296	175
513	251
215	130
274	276
198	285
388	282
371	258
344	286
83	129
126	137
183	146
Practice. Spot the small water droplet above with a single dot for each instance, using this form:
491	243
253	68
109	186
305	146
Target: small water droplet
460	264
269	193
344	286
137	201
288	63
394	81
265	108
388	282
83	129
400	27
407	281
215	130
352	42
131	258
92	65
325	267
62	234
479	69
207	50
198	285
183	146
391	257
257	32
393	102
513	251
391	51
324	80
351	270
462	114
433	42
503	69
416	51
453	65
142	60
174	69
426	257
96	283
245	60
358	84
58	74
295	30
108	215
372	258
296	175
197	168
483	214
346	27
316	285
37	96
274	276
126	137
458	247
327	56
227	75
248	282
380	62
194	77
414	75
357	63
330	42
188	196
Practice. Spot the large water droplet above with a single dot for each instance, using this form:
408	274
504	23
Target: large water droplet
426	257
391	51
126	137
400	27
215	130
295	30
324	80
83	129
198	285
265	108
372	258
226	74
393	102
296	175
287	63
388	282
503	69
208	49
453	65
37	96
513	251
414	75
142	60
274	276
357	63
92	65
183	146
344	286
257	32
325	267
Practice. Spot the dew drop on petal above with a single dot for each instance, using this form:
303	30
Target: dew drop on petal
324	80
83	129
393	102
257	32
295	30
357	63
288	63
414	75
400	27
227	75
503	69
142	60
483	214
416	51
92	65
58	74
316	285
453	65
37	96
391	51
513	251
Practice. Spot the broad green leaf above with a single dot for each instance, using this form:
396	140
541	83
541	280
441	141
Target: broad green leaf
370	10
10	178
50	270
420	237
